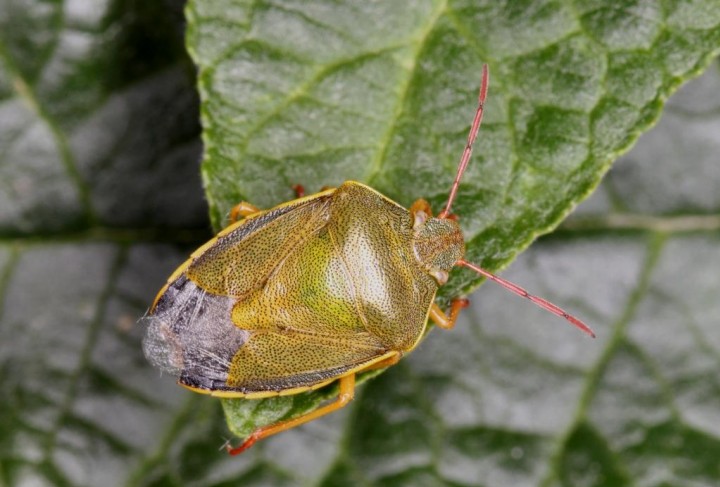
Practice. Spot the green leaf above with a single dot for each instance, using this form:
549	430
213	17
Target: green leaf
384	94
100	200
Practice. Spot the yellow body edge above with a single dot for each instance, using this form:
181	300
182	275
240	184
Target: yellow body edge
432	301
293	390
201	250
183	267
425	326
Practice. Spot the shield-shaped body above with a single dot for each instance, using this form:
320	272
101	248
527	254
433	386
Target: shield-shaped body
294	297
313	290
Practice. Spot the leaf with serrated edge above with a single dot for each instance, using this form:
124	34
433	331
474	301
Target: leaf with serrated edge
512	396
384	94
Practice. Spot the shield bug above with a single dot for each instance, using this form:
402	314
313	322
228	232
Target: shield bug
313	291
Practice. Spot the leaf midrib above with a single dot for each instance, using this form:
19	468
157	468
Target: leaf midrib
23	89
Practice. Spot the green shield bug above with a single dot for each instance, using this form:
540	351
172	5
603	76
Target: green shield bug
310	292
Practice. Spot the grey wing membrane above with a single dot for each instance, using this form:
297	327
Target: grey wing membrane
190	333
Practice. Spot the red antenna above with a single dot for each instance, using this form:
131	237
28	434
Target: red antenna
543	303
464	160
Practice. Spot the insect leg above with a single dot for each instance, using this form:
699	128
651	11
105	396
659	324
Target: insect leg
420	205
347	392
242	210
444	321
299	190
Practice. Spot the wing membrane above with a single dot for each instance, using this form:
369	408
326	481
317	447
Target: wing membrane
242	259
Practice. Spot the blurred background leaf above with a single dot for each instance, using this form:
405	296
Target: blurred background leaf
100	199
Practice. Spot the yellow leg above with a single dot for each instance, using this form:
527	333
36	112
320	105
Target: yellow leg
242	210
420	211
424	206
420	205
347	392
441	319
